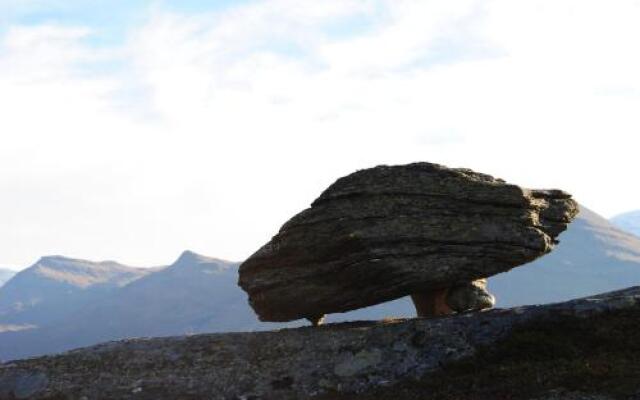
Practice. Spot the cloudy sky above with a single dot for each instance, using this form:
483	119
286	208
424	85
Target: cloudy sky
132	130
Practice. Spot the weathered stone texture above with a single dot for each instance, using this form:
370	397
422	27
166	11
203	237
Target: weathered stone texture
391	231
288	364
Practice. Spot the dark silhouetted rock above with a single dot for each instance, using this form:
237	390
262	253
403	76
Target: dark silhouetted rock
392	231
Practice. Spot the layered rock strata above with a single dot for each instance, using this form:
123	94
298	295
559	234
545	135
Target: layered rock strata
391	231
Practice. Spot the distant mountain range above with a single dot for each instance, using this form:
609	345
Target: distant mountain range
57	286
61	303
629	222
5	275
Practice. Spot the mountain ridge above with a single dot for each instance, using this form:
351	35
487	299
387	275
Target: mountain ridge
56	286
84	273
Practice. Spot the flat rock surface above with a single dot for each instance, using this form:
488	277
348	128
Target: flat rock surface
391	231
288	364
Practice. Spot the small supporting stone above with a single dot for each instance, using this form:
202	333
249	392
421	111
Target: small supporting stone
316	320
432	303
472	296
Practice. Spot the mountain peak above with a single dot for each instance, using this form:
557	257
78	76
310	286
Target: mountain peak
192	261
190	257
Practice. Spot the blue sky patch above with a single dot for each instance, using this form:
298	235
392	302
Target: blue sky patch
109	20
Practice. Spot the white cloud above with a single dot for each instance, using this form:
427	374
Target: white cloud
209	131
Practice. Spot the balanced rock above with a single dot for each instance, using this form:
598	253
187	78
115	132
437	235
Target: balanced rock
387	232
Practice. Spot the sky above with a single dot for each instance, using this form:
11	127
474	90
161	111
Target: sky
133	130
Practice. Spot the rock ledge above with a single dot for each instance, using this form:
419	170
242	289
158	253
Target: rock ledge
287	364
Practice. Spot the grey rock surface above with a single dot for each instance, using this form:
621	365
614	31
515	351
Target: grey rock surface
390	231
288	364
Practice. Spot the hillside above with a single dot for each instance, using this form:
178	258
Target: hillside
194	294
5	275
56	286
629	222
583	349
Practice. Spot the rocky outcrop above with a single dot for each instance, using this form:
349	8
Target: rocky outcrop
392	231
333	360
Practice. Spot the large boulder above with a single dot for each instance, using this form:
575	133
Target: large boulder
392	231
